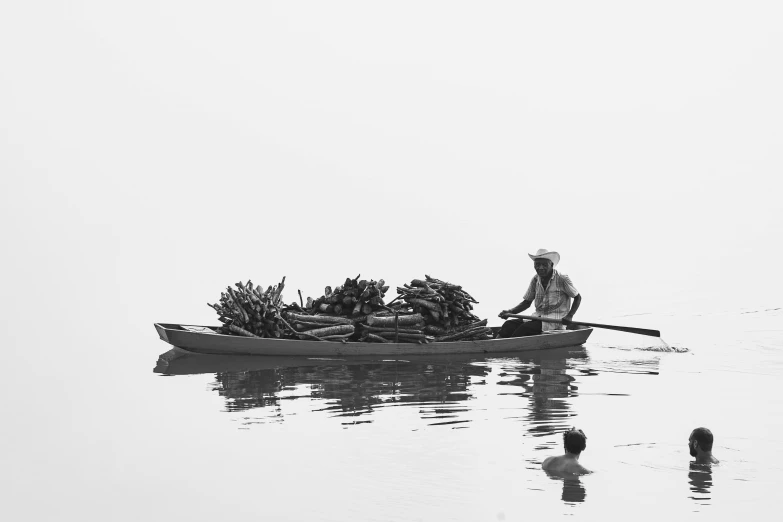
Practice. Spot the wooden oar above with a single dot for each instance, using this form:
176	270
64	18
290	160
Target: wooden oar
640	331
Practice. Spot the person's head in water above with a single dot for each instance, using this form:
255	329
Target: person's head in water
700	442
700	446
575	441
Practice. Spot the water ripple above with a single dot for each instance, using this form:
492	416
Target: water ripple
449	390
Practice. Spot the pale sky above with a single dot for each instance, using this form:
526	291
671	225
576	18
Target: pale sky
156	152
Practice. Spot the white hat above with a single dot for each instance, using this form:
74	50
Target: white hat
543	253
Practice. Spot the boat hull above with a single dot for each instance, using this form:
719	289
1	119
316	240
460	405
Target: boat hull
215	343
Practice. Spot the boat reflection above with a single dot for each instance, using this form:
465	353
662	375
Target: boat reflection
355	386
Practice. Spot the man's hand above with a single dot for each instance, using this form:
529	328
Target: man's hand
504	314
567	319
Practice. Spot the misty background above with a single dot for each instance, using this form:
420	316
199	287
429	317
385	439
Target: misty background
153	153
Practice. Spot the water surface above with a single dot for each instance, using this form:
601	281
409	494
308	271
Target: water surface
121	427
463	437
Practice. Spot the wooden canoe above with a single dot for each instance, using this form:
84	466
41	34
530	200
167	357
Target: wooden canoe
204	339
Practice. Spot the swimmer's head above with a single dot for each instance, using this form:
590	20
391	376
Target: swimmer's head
575	441
701	438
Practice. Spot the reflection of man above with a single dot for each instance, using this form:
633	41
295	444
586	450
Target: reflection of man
552	293
573	490
700	478
700	446
549	383
575	442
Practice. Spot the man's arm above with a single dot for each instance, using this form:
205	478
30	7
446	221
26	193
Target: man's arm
530	294
574	307
521	307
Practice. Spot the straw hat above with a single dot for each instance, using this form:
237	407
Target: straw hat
543	253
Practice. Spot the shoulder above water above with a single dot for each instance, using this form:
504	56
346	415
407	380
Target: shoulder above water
563	465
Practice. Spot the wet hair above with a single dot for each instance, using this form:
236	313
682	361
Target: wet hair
704	437
575	441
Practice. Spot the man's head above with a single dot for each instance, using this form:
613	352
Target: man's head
700	439
575	441
543	267
544	261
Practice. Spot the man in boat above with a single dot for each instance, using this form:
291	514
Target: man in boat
551	291
700	446
575	442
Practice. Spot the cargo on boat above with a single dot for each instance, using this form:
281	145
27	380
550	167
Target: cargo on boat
206	339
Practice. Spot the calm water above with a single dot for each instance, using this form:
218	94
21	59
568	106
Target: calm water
144	432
